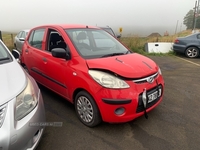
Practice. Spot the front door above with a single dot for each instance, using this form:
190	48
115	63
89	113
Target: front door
55	68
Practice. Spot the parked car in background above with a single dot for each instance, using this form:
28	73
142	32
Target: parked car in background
21	103
189	45
94	71
109	30
19	39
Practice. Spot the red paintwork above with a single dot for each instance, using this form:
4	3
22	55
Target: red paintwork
61	70
133	65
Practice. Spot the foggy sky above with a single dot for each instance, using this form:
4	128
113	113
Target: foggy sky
138	17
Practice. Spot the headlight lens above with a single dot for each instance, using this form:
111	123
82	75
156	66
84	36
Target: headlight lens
108	80
159	71
26	101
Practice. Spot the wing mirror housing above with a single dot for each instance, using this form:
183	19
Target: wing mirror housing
118	36
16	54
61	53
22	39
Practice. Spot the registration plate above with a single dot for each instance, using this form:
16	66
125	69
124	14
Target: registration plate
153	96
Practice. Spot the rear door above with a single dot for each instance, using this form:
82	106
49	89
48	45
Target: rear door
33	52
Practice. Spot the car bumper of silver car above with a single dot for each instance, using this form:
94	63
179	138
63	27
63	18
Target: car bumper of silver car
20	134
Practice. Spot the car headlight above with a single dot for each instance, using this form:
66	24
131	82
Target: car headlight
159	71
108	80
25	101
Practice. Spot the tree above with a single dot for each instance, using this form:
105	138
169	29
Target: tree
188	20
198	20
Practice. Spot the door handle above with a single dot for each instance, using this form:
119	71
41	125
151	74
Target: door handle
26	50
44	59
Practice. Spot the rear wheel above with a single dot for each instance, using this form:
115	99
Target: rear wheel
192	52
86	109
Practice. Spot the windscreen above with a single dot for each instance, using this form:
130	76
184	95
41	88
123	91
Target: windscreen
94	43
4	55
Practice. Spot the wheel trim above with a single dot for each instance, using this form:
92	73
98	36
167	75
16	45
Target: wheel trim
192	52
85	109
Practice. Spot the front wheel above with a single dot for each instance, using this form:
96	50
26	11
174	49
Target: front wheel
86	109
192	52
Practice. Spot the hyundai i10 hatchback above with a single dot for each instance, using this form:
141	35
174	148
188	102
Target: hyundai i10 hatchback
21	105
90	68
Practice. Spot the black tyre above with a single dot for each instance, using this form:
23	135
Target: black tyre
87	110
192	52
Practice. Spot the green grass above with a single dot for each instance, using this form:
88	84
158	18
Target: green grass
137	44
8	39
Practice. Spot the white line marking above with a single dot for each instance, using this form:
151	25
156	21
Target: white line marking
189	61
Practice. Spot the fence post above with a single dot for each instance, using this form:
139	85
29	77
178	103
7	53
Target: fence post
1	36
12	39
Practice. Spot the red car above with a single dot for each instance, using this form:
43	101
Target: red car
94	71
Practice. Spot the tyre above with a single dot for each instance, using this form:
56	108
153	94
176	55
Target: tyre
192	52
87	110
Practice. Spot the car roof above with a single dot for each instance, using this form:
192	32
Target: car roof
105	27
68	26
26	30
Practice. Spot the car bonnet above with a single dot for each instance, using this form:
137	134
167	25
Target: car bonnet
129	66
12	81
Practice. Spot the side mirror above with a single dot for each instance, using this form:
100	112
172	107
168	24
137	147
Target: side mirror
61	53
22	39
119	36
16	54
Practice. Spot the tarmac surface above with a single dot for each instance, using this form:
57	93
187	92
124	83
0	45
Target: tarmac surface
173	125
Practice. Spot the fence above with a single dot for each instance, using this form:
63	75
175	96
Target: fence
8	39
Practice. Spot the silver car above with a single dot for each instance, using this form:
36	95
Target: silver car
19	39
21	105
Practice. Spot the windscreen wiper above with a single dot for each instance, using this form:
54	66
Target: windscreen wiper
112	54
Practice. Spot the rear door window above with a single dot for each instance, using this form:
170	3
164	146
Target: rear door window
19	34
23	35
36	38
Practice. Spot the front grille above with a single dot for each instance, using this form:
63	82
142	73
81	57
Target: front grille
146	79
140	107
2	114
